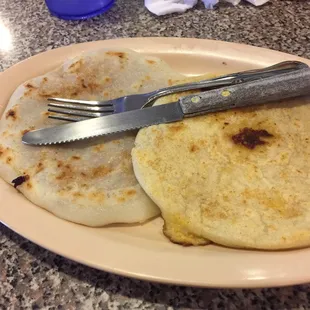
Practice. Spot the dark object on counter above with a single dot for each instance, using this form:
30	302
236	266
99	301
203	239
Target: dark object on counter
78	9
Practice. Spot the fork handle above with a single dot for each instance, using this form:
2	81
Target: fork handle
261	91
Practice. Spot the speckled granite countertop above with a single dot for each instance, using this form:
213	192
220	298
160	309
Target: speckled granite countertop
31	277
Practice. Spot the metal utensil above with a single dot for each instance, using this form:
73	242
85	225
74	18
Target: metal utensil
270	89
77	110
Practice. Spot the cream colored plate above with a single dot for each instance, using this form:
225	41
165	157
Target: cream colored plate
142	251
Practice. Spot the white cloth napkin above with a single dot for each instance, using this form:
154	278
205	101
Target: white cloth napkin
209	4
255	2
234	2
258	2
163	7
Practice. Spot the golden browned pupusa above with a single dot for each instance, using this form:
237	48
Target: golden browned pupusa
89	182
238	178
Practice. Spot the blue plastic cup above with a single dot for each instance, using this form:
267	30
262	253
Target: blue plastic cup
78	9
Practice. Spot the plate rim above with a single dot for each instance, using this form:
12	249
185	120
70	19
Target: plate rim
171	42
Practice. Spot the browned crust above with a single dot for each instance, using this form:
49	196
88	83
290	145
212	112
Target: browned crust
183	243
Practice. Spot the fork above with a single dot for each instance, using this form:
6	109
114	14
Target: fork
78	110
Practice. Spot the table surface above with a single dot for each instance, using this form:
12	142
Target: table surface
32	277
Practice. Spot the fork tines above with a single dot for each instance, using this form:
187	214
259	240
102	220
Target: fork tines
78	109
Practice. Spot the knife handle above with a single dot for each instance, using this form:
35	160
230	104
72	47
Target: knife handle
261	91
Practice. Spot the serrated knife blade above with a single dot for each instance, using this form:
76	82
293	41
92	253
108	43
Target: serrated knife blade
105	125
251	93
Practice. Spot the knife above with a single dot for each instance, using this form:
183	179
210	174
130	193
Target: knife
261	91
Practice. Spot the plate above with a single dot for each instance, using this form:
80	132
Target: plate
141	251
